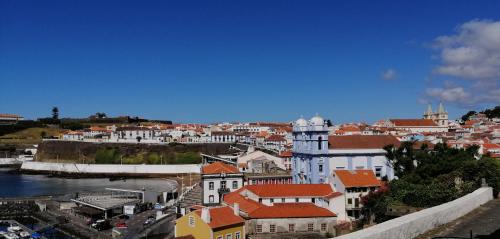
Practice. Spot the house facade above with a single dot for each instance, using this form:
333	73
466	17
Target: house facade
218	179
316	155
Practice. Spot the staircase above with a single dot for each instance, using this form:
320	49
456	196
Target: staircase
192	198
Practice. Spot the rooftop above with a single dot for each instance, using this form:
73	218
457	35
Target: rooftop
357	178
222	216
291	210
290	190
219	167
361	141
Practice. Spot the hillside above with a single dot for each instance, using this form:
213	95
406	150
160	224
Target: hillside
29	136
83	152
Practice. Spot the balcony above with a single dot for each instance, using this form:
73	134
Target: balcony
223	190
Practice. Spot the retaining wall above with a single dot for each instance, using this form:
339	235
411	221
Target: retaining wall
117	169
414	224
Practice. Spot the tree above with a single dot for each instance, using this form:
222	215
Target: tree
55	113
468	115
100	115
329	123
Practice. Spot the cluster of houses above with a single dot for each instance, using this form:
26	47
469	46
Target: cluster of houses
271	136
316	187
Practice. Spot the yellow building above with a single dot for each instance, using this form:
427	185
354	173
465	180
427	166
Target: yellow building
212	223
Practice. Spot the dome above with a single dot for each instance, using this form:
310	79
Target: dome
317	120
301	122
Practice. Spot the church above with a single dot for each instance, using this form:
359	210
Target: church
316	154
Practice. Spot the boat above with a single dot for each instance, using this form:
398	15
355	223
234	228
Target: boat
11	236
24	234
14	228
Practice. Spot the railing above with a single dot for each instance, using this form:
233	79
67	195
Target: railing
223	190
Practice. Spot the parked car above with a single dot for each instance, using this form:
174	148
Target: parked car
101	224
121	225
149	221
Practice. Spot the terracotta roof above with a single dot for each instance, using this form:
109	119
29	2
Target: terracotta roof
291	210
488	146
290	190
222	216
275	138
413	122
357	178
361	141
246	204
286	154
350	128
10	116
219	167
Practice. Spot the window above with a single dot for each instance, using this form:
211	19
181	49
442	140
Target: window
237	235
229	236
258	228
220	237
260	200
378	172
211	186
323	227
191	221
313	200
296	199
222	184
291	227
349	201
282	200
320	168
272	228
211	198
356	202
235	184
310	227
319	142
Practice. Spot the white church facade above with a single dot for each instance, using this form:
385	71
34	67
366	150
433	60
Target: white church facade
316	154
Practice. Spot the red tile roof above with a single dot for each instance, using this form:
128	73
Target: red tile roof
357	178
222	216
10	116
290	190
246	204
219	167
291	210
413	122
286	154
275	138
361	141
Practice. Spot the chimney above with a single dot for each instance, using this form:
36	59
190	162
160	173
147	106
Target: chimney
236	209
205	214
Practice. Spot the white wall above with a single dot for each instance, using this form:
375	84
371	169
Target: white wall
414	224
111	168
229	184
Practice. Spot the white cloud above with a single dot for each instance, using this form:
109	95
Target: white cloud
389	74
471	55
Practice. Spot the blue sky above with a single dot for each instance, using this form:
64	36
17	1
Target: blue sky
208	61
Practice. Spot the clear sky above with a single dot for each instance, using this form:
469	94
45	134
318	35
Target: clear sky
208	61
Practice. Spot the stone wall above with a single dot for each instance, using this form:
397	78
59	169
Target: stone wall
112	169
414	224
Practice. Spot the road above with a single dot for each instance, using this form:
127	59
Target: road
484	223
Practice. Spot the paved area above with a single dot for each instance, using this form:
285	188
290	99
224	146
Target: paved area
484	222
105	201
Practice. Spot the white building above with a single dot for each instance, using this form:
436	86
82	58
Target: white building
316	155
137	134
218	179
223	137
354	184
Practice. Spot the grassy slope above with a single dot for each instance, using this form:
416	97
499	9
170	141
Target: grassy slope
28	136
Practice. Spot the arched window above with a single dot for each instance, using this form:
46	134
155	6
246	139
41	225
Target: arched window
319	142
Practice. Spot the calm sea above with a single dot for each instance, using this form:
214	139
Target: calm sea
23	185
